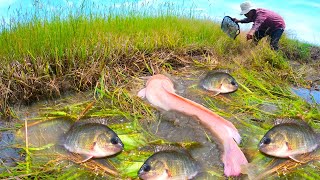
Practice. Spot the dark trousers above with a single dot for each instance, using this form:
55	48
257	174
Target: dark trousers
274	35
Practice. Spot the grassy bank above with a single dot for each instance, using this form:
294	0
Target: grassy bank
43	59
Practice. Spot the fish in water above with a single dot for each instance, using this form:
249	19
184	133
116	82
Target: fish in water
92	140
160	92
219	82
289	139
169	164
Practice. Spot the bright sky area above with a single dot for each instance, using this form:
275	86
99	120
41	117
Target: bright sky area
301	17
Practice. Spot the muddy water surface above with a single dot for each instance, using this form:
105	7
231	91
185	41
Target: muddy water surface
9	154
168	125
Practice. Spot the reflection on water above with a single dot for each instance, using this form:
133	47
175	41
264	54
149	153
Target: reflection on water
8	154
45	138
45	141
310	96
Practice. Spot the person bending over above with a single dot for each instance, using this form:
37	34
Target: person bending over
265	23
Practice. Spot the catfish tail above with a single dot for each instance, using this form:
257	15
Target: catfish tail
233	158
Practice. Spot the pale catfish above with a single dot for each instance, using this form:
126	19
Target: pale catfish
160	92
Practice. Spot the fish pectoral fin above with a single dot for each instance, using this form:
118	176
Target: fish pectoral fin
294	157
297	158
85	158
215	93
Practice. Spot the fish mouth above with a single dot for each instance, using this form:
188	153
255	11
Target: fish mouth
271	150
147	175
120	146
116	148
142	174
264	147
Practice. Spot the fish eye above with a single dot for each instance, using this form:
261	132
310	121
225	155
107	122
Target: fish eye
114	140
233	83
267	141
146	168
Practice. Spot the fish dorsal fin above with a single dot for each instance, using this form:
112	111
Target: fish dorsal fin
167	148
171	148
92	120
290	121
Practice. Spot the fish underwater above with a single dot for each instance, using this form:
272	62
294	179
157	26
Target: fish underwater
92	140
219	82
169	164
160	92
289	139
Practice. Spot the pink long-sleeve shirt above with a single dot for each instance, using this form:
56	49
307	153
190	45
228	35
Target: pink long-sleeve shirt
266	20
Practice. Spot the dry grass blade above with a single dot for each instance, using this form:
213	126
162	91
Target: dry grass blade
284	167
90	164
89	106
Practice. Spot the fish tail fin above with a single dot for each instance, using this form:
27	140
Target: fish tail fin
233	158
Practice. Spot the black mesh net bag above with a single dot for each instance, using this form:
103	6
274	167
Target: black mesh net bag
230	27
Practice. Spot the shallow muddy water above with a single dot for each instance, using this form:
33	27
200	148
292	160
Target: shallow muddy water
311	96
44	135
9	155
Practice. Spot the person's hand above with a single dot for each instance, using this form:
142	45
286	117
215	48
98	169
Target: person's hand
250	35
235	20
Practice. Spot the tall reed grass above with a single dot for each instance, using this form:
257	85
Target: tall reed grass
46	55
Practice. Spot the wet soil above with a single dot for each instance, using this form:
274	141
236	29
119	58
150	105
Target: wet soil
310	68
315	53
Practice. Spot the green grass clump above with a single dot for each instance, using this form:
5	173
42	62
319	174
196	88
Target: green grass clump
295	50
42	59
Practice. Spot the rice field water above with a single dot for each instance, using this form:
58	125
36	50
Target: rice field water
65	67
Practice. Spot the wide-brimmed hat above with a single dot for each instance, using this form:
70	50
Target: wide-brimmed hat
246	7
